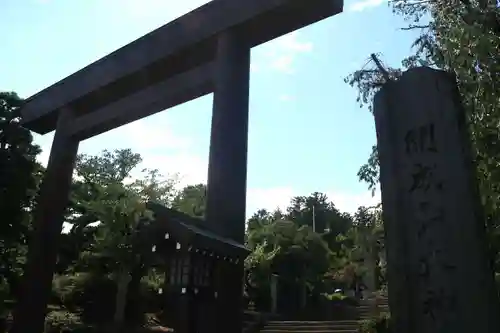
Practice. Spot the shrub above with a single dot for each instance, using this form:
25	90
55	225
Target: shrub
376	325
66	288
92	295
62	321
341	298
150	286
4	289
335	297
96	297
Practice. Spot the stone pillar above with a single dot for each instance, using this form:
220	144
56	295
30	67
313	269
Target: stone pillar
47	223
227	169
440	276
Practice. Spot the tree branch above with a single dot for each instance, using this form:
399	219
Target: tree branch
380	67
411	27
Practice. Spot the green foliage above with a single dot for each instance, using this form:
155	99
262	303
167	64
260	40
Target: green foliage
497	281
361	249
302	254
260	219
89	294
4	294
153	186
367	233
340	298
92	174
20	175
92	295
335	297
4	290
99	181
120	210
64	289
303	210
62	321
107	167
96	172
369	172
285	244
191	200
152	282
381	324
258	266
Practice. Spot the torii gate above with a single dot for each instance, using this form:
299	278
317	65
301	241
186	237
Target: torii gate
204	51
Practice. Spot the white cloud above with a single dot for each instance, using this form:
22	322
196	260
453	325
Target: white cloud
191	169
283	64
291	43
43	158
142	135
286	98
349	202
254	67
281	53
145	135
268	198
365	4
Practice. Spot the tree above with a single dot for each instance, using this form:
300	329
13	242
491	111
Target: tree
258	269
260	219
318	210
120	210
368	234
20	175
106	200
191	200
96	171
299	256
93	172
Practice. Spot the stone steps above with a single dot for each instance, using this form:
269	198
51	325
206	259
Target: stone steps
310	330
365	311
365	308
341	326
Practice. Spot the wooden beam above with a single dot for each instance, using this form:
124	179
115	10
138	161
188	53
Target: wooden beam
166	94
178	46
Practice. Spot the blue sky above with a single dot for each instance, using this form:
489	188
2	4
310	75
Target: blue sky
307	132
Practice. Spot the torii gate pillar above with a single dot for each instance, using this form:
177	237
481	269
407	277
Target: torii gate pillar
227	169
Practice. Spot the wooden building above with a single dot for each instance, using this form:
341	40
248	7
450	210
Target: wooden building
194	260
